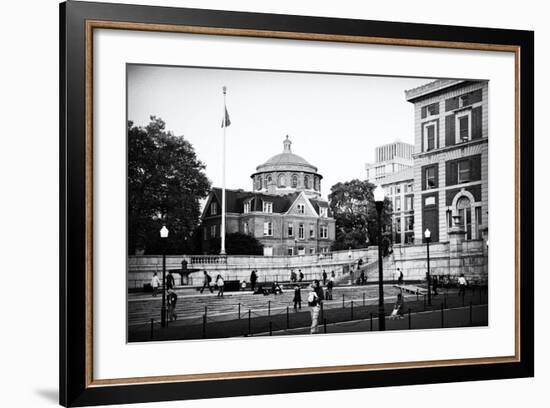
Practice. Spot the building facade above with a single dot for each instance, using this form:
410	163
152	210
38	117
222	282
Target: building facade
393	170
450	158
284	210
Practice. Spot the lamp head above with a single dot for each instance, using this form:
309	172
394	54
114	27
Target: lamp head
379	194
427	234
164	232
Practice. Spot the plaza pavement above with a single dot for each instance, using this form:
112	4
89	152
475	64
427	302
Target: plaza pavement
262	314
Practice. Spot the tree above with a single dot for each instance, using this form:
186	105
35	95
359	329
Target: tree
353	207
166	181
237	244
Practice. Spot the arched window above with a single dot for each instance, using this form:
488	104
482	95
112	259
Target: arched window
464	209
258	183
316	183
294	181
268	180
281	180
306	182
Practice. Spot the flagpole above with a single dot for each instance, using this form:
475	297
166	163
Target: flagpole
222	232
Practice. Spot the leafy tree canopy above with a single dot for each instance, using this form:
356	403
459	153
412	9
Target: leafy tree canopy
237	244
353	207
166	181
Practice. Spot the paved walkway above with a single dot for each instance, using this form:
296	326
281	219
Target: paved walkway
259	321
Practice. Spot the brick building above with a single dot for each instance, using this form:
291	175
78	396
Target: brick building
450	158
284	210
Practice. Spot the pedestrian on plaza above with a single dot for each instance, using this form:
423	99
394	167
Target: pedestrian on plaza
220	283
172	299
170	282
276	288
435	285
330	286
400	278
297	297
314	308
253	279
398	308
462	283
324	277
300	275
292	276
362	278
155	283
206	282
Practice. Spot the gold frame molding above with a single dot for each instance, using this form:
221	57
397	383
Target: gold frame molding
116	25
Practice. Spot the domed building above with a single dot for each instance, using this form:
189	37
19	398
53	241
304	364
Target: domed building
285	173
284	210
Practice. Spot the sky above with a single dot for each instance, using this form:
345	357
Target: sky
334	121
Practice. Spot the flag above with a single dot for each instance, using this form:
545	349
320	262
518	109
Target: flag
225	121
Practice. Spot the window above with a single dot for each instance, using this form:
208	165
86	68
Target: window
268	231
464	171
429	110
323	233
294	181
259	183
316	184
429	136
212	231
398	225
478	222
205	234
245	228
290	251
311	251
281	180
409	223
301	208
463	126
213	208
311	231
301	231
290	229
323	211
398	204
324	250
306	182
267	207
268	181
409	188
246	207
429	177
408	203
397	189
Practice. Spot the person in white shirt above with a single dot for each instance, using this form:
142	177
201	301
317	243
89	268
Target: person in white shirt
155	284
219	284
462	283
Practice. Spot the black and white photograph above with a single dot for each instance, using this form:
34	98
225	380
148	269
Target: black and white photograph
274	203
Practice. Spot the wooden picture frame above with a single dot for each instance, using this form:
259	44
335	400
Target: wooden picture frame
78	20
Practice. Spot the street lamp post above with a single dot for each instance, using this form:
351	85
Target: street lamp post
163	238
379	197
428	237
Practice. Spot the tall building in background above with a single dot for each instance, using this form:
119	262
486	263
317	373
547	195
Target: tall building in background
393	170
450	158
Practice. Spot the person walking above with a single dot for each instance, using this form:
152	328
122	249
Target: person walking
170	282
462	283
172	299
155	284
400	277
292	276
253	279
435	284
297	298
206	282
330	285
220	283
314	308
362	278
398	308
300	275
324	277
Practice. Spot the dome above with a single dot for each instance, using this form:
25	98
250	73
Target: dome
287	161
